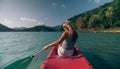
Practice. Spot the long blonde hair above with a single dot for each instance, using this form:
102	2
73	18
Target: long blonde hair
71	29
69	26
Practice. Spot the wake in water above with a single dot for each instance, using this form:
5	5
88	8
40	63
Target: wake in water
101	63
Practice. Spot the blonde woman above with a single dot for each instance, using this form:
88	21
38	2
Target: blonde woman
66	41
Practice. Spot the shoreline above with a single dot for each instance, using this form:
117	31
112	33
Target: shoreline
116	30
100	30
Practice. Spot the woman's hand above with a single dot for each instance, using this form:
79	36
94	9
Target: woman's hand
46	47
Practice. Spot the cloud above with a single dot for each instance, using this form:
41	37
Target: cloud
96	1
31	20
58	5
54	4
7	22
27	19
21	22
63	6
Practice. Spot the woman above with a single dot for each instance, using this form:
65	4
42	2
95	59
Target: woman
66	42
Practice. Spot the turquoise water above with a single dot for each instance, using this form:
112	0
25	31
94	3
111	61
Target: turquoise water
101	49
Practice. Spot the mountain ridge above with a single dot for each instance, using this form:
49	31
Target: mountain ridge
5	28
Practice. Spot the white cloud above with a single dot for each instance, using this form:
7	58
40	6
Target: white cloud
31	21
58	5
54	4
63	6
7	22
97	1
22	22
27	19
40	23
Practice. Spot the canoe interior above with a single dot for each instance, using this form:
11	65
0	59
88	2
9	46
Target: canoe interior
77	61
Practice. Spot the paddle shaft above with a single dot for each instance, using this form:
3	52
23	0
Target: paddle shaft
36	54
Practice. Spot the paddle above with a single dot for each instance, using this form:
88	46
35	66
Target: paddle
37	53
22	63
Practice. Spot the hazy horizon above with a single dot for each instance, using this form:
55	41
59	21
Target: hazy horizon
29	13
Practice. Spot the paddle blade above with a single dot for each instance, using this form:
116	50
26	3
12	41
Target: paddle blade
19	64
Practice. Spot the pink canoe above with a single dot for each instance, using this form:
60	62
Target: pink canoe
77	61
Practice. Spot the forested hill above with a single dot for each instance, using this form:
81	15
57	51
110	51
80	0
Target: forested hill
104	17
40	28
4	28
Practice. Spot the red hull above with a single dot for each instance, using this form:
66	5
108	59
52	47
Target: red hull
78	61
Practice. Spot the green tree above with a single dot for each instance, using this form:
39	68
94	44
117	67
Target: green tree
79	22
95	21
116	10
109	14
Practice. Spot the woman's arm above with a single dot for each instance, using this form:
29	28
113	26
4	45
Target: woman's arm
55	43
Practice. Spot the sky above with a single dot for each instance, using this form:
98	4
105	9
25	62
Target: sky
29	13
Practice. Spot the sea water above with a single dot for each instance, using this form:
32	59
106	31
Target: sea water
101	49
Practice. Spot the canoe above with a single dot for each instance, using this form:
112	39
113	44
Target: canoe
77	61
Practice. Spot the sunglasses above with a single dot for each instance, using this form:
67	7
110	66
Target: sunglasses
64	27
